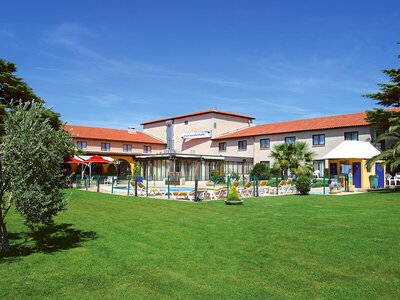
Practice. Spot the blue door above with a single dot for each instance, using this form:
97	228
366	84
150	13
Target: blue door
333	168
357	174
381	179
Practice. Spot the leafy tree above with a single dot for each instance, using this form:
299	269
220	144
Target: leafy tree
14	91
293	156
234	176
387	122
136	170
31	175
390	156
261	171
389	97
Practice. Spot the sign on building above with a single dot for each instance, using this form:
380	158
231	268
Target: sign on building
196	135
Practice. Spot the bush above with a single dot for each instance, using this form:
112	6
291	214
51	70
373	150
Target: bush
233	194
261	171
235	176
217	177
303	184
112	170
136	171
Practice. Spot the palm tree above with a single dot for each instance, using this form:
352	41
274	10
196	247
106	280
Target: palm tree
390	156
293	156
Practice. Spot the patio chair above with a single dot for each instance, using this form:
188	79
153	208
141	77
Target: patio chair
217	193
188	195
108	180
246	190
140	190
397	178
390	179
153	191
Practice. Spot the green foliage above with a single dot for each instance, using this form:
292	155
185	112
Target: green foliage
326	172
217	177
112	170
390	156
294	156
235	176
233	194
303	184
14	91
261	171
136	170
387	122
31	159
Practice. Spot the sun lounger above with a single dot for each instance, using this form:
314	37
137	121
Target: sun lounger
187	195
153	191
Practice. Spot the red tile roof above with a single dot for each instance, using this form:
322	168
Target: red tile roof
338	121
199	113
97	133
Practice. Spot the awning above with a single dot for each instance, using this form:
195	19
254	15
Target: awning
352	149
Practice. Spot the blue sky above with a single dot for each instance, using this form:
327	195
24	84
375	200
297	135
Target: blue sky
119	63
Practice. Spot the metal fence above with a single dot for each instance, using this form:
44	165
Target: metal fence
253	187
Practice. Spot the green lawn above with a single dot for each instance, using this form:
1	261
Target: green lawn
109	246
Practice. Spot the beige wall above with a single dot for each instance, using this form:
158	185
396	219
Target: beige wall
115	146
333	137
198	123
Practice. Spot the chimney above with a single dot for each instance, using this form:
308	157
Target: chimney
132	130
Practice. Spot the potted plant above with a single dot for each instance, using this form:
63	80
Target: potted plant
233	197
335	187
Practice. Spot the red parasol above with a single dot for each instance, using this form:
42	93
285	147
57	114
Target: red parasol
98	159
71	160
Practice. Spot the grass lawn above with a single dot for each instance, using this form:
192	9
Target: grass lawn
107	246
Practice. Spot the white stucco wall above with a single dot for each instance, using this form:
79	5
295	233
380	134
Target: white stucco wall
198	123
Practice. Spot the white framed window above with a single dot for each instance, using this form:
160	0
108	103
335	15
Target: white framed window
127	148
222	146
242	145
290	139
147	149
351	136
105	146
264	143
82	145
318	139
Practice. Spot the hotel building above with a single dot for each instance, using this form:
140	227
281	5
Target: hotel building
196	143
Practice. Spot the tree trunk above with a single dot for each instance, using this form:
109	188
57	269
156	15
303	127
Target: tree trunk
5	244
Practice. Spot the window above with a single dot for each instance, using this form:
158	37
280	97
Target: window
318	139
128	148
319	166
351	136
147	149
105	146
222	146
290	139
267	163
186	122
215	125
264	143
82	145
242	145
